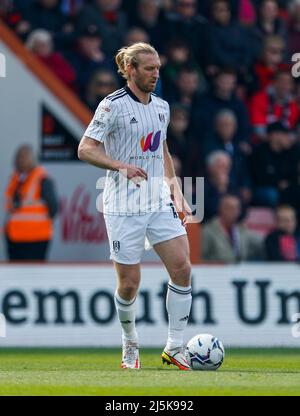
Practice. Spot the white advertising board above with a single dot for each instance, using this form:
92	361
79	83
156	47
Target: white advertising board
72	305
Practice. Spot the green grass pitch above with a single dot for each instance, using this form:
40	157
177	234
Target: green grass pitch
97	372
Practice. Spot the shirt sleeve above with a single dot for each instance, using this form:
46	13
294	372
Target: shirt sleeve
102	124
167	121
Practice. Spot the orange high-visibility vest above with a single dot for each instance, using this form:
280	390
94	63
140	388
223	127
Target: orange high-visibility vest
30	222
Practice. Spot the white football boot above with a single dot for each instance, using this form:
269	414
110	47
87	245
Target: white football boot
130	355
176	357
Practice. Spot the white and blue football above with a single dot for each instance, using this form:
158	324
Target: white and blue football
205	352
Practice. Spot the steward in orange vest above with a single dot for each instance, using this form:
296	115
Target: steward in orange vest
30	206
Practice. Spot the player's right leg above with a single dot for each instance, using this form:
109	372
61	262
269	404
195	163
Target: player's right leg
126	237
125	301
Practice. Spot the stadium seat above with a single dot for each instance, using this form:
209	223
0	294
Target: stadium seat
260	219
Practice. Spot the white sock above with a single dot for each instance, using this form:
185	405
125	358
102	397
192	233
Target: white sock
126	314
179	301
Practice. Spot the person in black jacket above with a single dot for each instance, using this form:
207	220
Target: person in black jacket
185	23
222	96
268	22
88	56
274	168
223	138
283	244
179	140
109	19
47	14
229	42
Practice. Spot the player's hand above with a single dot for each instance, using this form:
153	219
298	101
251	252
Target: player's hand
188	218
134	173
183	207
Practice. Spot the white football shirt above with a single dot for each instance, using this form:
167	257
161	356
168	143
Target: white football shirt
133	133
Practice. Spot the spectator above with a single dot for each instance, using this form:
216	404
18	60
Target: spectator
222	96
71	7
40	43
276	103
185	23
224	139
47	14
178	55
178	139
102	83
204	8
217	181
148	17
271	61
268	23
134	35
88	56
31	205
229	41
274	167
186	91
297	97
109	19
283	244
225	240
12	15
246	12
223	136
294	27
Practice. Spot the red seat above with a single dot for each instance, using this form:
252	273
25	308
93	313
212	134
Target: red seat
260	220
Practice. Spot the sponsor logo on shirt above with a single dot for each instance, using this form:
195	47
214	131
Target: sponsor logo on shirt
105	109
152	141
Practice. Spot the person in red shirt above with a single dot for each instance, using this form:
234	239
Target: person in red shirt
41	44
275	103
271	61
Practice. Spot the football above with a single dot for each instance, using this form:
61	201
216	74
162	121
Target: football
205	352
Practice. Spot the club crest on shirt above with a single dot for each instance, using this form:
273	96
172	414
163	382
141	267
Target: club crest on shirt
161	117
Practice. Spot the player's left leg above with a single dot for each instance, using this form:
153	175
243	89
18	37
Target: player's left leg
175	255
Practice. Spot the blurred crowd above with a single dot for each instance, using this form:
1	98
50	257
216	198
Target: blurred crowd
226	73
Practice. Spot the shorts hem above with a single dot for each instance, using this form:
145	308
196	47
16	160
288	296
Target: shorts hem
170	237
129	262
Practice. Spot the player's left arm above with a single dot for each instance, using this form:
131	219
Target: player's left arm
180	202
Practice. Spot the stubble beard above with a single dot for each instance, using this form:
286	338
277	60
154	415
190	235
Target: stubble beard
144	87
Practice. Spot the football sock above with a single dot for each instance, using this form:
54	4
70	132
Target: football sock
126	314
178	302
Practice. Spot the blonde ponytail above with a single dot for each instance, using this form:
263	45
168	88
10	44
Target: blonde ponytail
129	55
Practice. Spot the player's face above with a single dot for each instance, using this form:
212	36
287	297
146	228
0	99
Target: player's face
145	76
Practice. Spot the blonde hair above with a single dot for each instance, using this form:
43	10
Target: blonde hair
128	55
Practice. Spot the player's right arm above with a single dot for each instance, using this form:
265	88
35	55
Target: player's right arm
91	148
93	152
